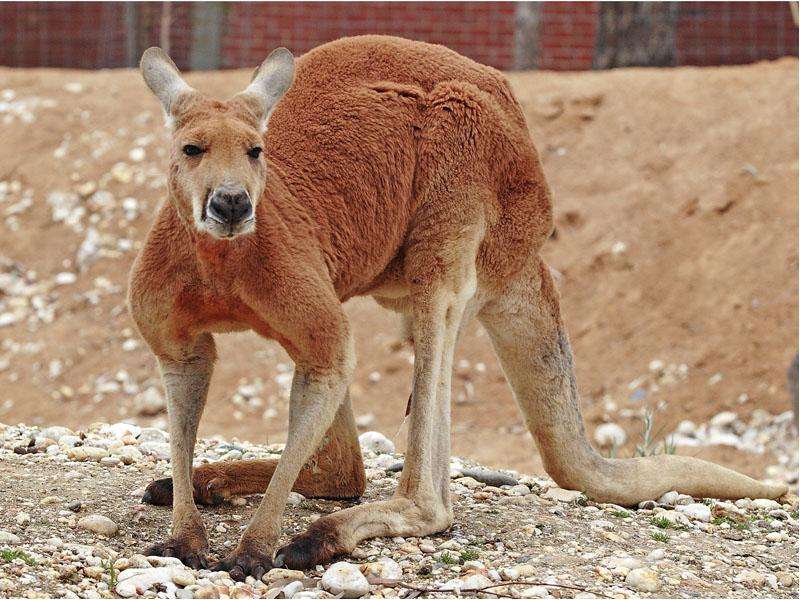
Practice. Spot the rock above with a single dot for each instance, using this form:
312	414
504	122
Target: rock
278	574
128	454
764	504
723	420
509	574
86	453
644	580
472	581
120	430
345	578
656	555
294	499
670	498
292	588
136	582
609	435
750	578
470	483
774	536
519	490
99	524
158	449
23	519
374	441
383	568
151	434
562	495
149	403
697	511
207	591
493	478
55	432
6	537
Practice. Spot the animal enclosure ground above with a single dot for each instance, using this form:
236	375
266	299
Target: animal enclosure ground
529	532
676	211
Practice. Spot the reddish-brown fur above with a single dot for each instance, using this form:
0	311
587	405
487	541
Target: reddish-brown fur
396	169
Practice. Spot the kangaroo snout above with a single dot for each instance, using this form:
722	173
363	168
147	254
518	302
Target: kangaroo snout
229	211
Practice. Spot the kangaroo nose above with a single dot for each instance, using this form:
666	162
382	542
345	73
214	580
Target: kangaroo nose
230	205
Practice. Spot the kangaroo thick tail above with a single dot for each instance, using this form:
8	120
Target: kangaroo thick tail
629	481
527	333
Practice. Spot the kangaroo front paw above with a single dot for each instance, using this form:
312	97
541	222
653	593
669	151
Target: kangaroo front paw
318	545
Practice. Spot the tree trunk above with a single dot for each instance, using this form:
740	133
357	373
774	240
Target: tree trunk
636	34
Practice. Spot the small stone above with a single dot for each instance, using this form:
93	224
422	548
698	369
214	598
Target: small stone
670	498
750	578
278	574
473	581
764	504
294	499
519	490
22	519
99	524
656	555
136	582
55	432
470	483
493	478
183	577
207	591
345	579
6	537
374	441
158	449
644	580
74	506
562	495
292	588
698	512
427	547
383	568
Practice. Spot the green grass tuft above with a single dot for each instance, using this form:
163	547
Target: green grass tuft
10	555
659	536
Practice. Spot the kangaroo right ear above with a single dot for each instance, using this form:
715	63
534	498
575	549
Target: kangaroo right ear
163	78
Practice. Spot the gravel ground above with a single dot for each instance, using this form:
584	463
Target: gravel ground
71	525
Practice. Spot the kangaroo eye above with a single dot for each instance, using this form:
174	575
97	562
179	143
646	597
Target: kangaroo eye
255	152
192	150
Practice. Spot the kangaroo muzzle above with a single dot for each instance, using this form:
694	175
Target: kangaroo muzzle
229	211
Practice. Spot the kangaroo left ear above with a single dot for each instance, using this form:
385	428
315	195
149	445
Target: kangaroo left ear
270	82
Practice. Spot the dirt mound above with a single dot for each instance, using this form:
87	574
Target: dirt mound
676	208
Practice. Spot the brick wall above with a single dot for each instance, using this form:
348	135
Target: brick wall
483	31
113	34
723	33
567	32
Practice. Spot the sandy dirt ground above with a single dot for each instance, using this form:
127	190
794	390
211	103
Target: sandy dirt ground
676	241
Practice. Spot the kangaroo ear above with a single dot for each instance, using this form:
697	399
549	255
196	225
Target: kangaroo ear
270	82
163	78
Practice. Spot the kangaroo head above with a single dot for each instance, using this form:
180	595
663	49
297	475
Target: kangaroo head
217	168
